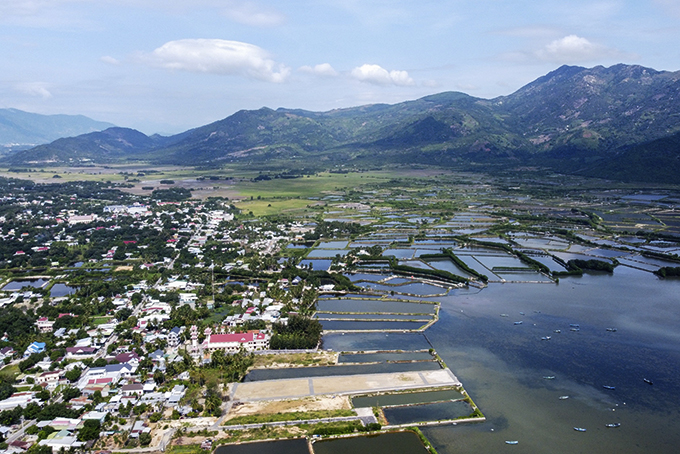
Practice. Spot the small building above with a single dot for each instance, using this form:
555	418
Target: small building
35	347
44	325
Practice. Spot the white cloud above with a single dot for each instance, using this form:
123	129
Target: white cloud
34	89
323	69
110	60
572	49
218	56
375	74
249	13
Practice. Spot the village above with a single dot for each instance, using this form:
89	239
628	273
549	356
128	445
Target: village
88	358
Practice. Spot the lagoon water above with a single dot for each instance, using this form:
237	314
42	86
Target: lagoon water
502	365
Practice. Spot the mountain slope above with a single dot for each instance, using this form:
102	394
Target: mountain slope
597	109
104	146
19	128
574	119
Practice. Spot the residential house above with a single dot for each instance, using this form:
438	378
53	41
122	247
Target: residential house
35	347
174	337
44	325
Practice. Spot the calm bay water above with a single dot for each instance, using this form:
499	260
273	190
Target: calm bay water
503	365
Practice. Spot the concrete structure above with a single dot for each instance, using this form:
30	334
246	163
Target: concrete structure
232	343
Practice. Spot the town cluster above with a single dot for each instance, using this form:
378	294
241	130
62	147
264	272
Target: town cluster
115	307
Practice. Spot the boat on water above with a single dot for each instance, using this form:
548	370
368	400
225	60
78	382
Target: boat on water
558	331
574	325
505	315
648	381
611	330
548	377
518	323
511	442
575	329
609	387
579	429
564	397
521	313
613	424
545	338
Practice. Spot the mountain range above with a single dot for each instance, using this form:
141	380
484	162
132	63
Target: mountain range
21	130
621	122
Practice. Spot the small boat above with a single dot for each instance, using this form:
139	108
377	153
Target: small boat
545	338
611	330
648	381
548	377
575	329
521	313
574	325
505	315
564	397
558	331
518	323
614	424
579	429
609	387
511	442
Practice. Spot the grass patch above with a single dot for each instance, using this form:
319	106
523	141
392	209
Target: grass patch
263	433
292	416
185	449
96	321
10	372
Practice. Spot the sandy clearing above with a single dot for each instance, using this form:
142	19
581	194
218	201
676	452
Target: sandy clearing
345	384
286	406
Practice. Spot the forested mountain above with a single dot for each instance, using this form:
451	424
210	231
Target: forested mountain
24	129
592	121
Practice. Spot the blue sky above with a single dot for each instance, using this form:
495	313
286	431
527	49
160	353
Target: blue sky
170	65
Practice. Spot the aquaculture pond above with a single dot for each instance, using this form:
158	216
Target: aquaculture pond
325	371
17	285
324	315
388	443
384	357
318	265
352	325
297	446
382	400
59	290
374	306
427	412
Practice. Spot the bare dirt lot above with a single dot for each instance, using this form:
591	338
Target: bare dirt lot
345	384
295	405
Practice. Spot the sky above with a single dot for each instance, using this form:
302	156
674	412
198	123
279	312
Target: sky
165	66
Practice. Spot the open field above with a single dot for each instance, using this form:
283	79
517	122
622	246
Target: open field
307	404
344	384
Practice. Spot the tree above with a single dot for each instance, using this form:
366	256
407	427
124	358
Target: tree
144	439
89	431
158	376
73	375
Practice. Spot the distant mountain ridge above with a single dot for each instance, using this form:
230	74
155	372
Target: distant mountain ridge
574	119
19	128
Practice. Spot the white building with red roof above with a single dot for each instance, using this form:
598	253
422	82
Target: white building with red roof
232	343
